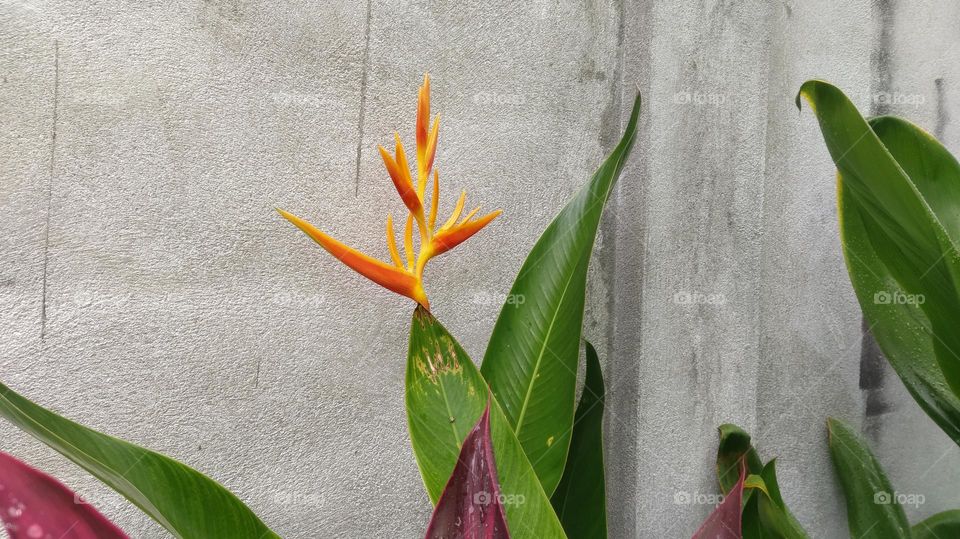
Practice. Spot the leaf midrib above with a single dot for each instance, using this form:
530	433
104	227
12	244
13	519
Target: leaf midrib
543	348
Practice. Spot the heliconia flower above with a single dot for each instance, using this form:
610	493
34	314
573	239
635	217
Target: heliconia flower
405	275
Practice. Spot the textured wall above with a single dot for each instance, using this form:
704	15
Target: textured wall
148	289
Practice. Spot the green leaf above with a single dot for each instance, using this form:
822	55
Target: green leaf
872	508
939	526
183	500
883	238
531	359
901	329
734	444
905	187
765	515
580	498
446	395
776	520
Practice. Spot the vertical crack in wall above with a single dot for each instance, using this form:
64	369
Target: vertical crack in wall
363	98
49	193
872	361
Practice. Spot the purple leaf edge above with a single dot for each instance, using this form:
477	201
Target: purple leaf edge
35	505
725	522
470	506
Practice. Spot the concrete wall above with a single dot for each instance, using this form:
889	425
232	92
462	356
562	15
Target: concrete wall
148	289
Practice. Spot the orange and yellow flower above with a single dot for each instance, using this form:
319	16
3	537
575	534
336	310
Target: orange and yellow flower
405	275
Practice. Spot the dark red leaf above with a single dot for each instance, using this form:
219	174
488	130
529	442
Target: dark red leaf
470	506
34	505
724	522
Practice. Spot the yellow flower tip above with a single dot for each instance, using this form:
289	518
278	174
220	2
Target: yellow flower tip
423	114
431	144
450	238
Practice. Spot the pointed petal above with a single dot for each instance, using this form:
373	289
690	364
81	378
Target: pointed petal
456	212
434	201
408	241
401	179
423	114
402	163
387	276
432	143
424	154
469	215
392	244
448	239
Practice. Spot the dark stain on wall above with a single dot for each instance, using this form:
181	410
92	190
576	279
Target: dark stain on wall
942	117
872	361
880	58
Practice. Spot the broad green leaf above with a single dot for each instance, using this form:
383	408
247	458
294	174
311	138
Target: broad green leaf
446	395
940	526
472	503
907	193
531	359
899	299
901	329
872	508
581	499
183	500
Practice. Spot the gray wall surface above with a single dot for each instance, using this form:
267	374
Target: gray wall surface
149	290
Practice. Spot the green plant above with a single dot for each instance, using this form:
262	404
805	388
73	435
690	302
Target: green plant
512	420
764	514
874	506
898	195
899	207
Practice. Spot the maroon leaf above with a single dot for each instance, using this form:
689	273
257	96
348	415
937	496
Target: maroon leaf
470	506
34	505
724	522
